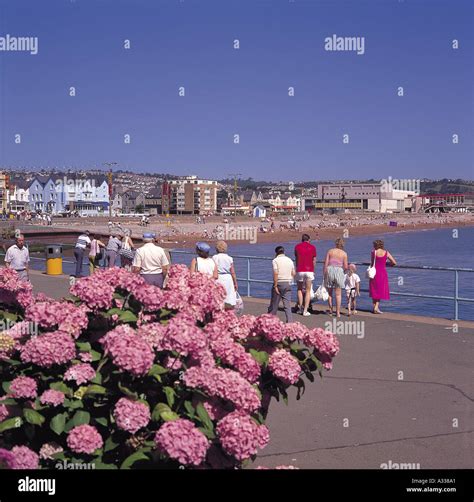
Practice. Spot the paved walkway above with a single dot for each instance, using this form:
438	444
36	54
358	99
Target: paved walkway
401	391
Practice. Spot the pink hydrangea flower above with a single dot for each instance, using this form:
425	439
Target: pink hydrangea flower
129	352
131	415
25	458
52	397
3	412
224	383
24	388
48	349
7	459
183	336
95	291
85	357
181	440
63	315
80	373
270	327
241	436
295	331
14	291
153	333
284	366
84	439
48	450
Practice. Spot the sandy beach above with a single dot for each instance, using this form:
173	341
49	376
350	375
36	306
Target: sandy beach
184	231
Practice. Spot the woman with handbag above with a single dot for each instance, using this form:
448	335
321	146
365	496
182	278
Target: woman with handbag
378	284
95	254
126	252
226	274
335	265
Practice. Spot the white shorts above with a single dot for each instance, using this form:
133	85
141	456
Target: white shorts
304	276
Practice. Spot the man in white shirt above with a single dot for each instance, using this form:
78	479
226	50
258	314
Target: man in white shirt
151	261
283	275
82	242
17	257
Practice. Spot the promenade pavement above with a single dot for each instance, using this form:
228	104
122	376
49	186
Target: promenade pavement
401	392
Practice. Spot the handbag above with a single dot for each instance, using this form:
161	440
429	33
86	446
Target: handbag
371	271
322	293
239	303
127	253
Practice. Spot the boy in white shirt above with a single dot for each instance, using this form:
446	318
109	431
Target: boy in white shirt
352	286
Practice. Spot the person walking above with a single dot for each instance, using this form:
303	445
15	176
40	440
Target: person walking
226	274
335	265
305	255
95	253
82	242
150	261
203	263
17	258
283	275
111	253
126	251
378	286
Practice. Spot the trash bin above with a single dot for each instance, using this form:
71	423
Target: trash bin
54	259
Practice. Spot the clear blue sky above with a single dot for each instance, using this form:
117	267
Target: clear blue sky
190	43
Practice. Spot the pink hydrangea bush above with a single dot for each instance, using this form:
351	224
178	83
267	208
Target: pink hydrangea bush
124	374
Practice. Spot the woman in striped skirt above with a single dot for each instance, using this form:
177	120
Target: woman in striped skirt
335	266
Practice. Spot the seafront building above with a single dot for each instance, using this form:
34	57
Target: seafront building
376	197
3	191
189	195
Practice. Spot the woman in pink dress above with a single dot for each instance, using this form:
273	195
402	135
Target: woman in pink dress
378	286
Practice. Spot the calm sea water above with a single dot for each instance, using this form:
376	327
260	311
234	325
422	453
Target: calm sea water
424	248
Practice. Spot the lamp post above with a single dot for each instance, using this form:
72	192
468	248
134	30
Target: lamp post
235	176
110	181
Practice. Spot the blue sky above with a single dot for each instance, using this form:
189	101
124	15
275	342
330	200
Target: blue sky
190	43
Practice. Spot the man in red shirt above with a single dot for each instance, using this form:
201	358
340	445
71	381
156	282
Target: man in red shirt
305	254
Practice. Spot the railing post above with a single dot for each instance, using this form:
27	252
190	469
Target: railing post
248	276
456	295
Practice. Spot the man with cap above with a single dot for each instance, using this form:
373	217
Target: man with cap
150	261
17	257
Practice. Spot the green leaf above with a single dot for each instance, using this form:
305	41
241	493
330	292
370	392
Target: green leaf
110	444
11	423
158	410
127	391
260	356
204	417
102	421
169	416
6	386
128	316
73	404
61	386
170	393
209	434
9	316
112	311
97	379
100	465
96	389
134	457
8	401
189	408
58	423
96	356
156	369
33	417
84	346
80	418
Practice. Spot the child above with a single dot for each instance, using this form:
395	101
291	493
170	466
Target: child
352	286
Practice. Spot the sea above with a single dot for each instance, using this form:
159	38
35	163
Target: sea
449	247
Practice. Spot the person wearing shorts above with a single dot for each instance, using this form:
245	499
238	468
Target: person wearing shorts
305	255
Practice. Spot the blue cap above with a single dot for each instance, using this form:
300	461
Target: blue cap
149	235
203	246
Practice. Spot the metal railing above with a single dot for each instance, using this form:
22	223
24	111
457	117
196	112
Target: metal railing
456	299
